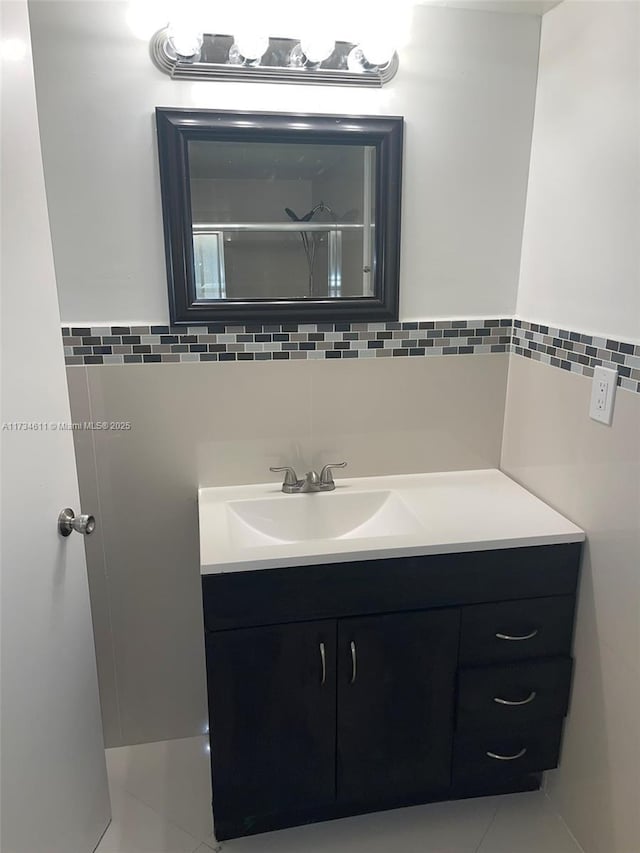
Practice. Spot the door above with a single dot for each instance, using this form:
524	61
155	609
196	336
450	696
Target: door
396	684
54	786
272	707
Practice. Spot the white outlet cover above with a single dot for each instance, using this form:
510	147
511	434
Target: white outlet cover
603	392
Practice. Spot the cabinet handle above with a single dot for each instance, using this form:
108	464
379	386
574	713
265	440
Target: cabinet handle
354	663
510	702
529	636
323	661
498	757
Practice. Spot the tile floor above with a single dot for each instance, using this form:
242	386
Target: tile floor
160	796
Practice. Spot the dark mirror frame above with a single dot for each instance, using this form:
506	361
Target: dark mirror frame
176	127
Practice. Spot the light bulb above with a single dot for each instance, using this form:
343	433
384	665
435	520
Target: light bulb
185	40
317	48
377	51
251	46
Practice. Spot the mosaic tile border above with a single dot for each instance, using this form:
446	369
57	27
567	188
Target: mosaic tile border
287	341
562	348
577	352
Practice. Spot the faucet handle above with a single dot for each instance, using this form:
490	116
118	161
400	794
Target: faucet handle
290	478
326	477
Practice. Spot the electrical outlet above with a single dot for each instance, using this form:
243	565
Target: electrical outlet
603	392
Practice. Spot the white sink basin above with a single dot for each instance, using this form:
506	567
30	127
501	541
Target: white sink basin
319	515
244	528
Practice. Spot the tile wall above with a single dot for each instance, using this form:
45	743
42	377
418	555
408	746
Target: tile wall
566	349
273	342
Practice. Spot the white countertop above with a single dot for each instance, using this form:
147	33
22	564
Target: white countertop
450	512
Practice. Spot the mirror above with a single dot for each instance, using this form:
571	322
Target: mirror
272	217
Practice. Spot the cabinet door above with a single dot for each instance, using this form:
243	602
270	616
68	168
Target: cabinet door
272	718
396	684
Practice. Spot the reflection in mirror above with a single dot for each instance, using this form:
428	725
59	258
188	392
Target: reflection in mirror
270	217
305	210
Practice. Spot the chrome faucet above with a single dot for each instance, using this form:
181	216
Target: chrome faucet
312	482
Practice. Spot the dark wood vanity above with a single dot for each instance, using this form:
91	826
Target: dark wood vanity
352	687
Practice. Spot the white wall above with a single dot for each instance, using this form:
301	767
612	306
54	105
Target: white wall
465	86
580	255
580	270
591	474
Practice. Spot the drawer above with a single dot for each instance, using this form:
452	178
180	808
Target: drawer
514	630
513	693
506	753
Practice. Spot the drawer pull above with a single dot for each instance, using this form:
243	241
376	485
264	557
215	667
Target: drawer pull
323	661
498	757
529	636
513	704
354	663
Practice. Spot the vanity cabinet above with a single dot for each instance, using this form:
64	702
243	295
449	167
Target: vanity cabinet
514	679
312	713
395	705
273	708
349	687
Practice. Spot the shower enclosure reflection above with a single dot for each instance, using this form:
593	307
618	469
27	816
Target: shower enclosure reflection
305	210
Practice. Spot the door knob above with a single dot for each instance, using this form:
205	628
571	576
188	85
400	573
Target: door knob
69	521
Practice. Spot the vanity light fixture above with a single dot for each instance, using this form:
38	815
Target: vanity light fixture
186	54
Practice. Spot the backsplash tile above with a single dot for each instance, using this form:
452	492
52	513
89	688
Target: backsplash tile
289	341
156	344
577	352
